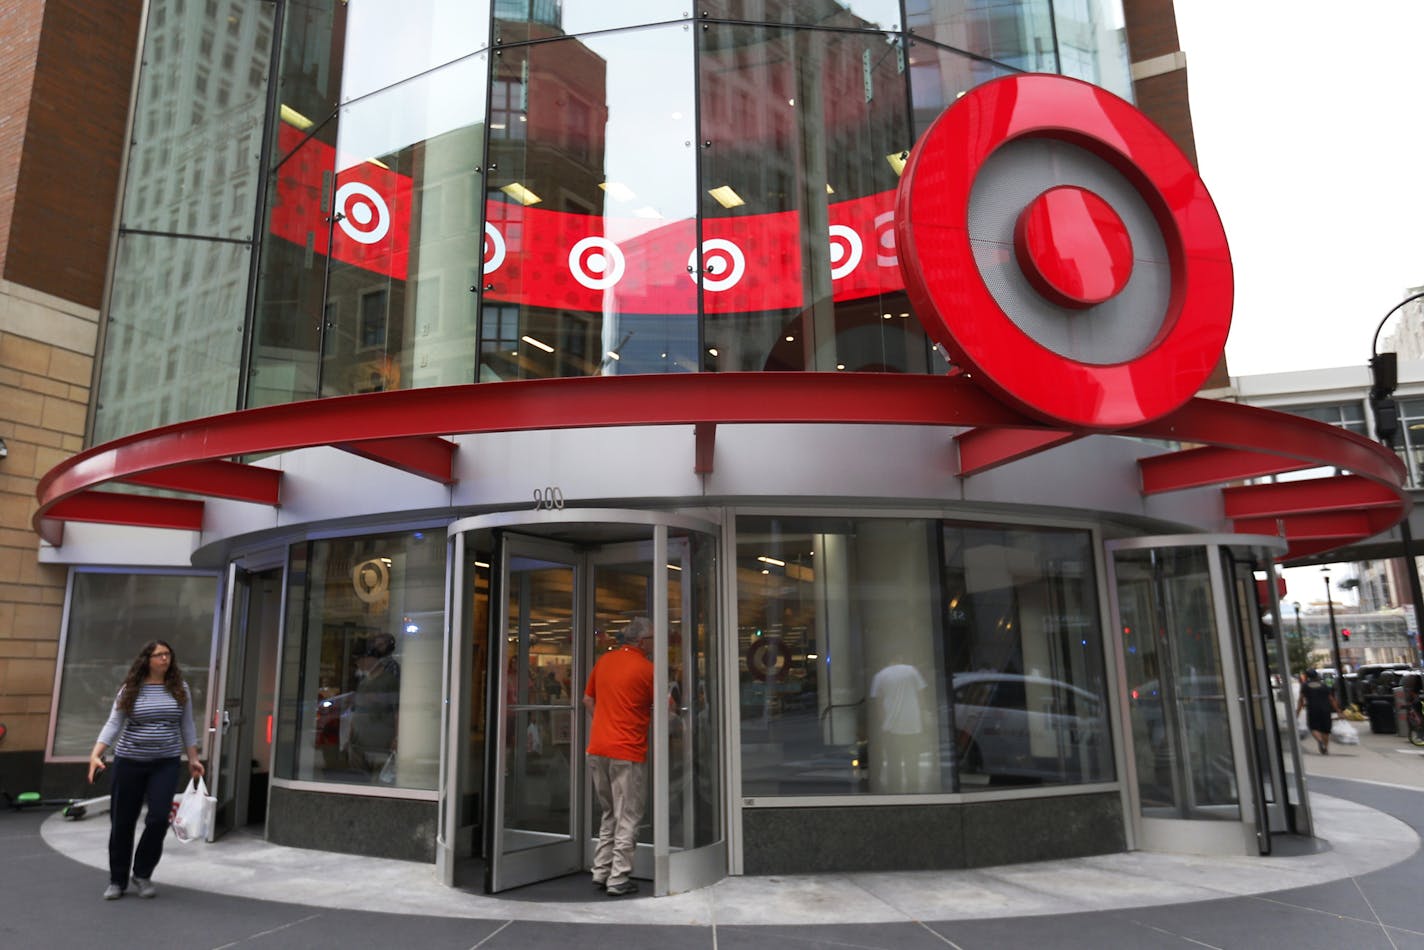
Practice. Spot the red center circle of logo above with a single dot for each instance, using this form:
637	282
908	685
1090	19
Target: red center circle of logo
1073	247
959	311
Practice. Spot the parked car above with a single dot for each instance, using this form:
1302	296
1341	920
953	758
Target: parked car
1027	729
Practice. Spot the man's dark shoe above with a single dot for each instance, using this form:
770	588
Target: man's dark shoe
622	890
600	884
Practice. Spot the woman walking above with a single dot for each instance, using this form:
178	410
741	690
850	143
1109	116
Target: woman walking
1318	701
150	729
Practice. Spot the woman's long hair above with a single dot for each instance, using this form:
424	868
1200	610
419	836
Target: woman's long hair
138	675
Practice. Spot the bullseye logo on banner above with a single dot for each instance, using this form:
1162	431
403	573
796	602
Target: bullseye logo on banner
1065	253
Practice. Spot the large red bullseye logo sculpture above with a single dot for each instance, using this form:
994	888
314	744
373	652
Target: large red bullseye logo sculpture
1065	253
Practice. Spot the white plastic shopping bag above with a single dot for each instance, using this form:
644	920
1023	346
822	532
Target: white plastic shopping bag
1343	731
196	810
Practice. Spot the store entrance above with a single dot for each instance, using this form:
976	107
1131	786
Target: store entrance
553	596
240	743
1213	765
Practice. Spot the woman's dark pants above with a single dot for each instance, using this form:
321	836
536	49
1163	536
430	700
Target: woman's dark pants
137	781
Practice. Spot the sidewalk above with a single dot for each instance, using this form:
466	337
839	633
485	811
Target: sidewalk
1378	758
1358	840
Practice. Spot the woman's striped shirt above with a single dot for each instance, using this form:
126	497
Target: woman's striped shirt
157	728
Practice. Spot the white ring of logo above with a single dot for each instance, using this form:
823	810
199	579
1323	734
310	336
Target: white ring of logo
383	214
612	255
852	240
885	229
713	282
497	240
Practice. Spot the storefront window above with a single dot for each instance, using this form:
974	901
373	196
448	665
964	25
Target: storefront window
361	664
804	132
891	656
111	617
590	210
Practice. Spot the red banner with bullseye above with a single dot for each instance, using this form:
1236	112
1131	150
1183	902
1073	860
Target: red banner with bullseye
370	220
560	260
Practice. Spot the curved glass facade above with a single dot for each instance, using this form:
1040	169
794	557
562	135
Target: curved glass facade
341	197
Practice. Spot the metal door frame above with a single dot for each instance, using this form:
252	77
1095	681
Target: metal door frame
1243	835
236	616
538	862
673	872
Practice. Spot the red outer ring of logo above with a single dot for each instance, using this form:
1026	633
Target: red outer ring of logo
956	308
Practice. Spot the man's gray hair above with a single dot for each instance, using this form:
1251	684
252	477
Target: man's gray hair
636	630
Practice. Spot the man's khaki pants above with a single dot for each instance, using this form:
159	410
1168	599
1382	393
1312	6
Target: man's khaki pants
621	790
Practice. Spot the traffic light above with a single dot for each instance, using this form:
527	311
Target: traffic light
1344	633
1384	372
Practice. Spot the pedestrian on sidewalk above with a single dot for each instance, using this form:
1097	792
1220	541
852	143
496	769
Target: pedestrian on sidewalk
1318	701
620	696
150	729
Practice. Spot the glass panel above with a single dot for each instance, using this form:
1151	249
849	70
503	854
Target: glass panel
160	364
111	617
590	209
842	674
479	556
1256	635
539	703
1018	33
840	14
803	133
694	772
867	668
197	132
938	77
1411	437
362	661
383	43
1177	696
1092	43
1026	657
621	592
519	20
376	228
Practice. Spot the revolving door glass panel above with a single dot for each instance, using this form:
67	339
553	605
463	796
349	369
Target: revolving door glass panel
1177	688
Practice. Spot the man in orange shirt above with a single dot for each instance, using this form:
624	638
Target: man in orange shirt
620	696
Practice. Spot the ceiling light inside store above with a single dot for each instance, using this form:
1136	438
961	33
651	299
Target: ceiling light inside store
539	343
618	190
897	161
521	194
294	118
726	197
770	560
829	189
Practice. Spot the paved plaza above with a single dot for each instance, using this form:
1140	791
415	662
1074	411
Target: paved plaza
1360	889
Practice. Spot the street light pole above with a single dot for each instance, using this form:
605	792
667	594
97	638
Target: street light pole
1298	637
1384	373
1334	641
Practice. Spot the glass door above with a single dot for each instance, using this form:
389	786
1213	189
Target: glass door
538	760
1270	717
559	586
1195	778
241	751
